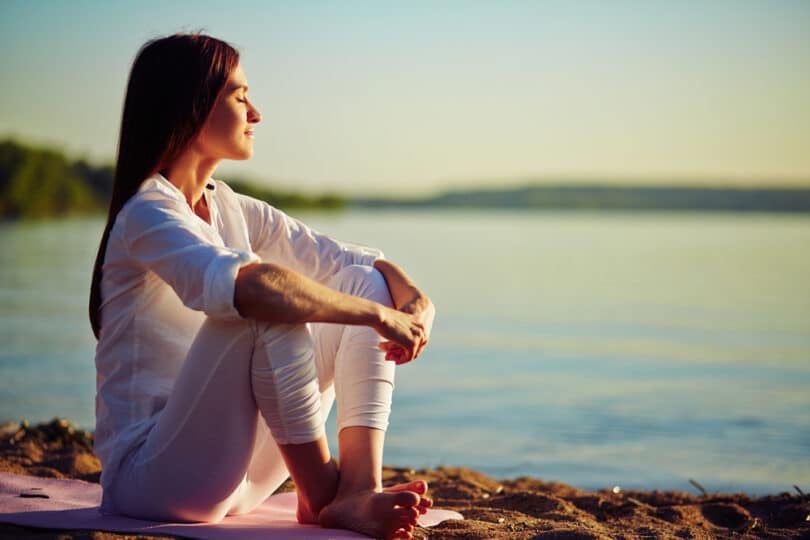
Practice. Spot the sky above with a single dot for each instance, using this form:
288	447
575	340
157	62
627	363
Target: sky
415	97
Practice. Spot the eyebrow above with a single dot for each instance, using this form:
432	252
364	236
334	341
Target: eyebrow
240	87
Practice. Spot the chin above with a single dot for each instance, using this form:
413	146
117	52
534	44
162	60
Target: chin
242	154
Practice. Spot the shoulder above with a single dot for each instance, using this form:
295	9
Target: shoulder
155	191
224	191
157	201
249	205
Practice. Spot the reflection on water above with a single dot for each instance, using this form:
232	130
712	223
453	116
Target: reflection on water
595	349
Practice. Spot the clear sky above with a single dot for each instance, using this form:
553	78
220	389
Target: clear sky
412	96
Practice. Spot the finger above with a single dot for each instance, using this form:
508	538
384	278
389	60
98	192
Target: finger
403	357
422	344
396	355
391	347
414	350
394	351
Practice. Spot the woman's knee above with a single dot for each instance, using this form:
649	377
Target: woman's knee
285	386
364	281
284	341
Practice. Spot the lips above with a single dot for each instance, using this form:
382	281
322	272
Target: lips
249	133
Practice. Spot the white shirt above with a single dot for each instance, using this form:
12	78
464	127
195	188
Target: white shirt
164	271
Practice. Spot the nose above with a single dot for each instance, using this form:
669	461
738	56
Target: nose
254	116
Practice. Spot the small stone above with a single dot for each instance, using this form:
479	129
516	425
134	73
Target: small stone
499	490
485	495
501	520
617	489
9	428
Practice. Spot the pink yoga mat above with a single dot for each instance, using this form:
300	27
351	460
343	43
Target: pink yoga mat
73	504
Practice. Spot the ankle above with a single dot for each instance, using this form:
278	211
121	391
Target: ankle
317	497
348	488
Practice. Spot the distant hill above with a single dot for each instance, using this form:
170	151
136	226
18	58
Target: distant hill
601	197
39	182
42	182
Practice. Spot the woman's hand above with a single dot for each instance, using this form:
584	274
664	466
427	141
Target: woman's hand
422	307
407	299
423	310
405	334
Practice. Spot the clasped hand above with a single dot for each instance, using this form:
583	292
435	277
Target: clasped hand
407	330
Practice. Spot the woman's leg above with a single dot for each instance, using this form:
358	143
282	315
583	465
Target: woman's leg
206	457
349	356
264	475
350	364
198	461
193	462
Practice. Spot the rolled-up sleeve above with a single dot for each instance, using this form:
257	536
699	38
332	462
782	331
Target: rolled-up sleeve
159	235
277	237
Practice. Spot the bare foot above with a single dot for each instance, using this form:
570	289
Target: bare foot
380	515
417	486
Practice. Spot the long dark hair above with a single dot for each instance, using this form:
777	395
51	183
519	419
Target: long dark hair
173	85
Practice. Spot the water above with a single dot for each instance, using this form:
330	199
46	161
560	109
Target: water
638	350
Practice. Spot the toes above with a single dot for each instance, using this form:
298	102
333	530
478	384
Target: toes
403	531
405	517
406	525
417	486
401	534
405	498
424	504
413	514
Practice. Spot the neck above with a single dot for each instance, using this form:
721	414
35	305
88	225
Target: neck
190	173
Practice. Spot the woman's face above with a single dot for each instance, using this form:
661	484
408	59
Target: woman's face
228	131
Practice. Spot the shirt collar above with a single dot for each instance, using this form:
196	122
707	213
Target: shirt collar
210	185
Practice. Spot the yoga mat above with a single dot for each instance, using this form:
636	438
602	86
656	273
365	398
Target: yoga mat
73	504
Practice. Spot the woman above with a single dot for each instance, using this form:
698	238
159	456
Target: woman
226	329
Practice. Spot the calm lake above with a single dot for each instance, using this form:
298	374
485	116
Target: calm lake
597	349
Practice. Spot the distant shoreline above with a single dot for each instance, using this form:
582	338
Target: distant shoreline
609	198
44	183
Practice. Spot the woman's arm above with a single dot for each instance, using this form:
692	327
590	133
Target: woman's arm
406	295
280	238
276	294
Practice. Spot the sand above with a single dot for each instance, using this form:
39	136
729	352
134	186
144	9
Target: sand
517	508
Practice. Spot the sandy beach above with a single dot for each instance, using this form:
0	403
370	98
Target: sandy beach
516	508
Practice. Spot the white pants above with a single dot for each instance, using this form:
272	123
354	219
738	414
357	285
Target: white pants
245	387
